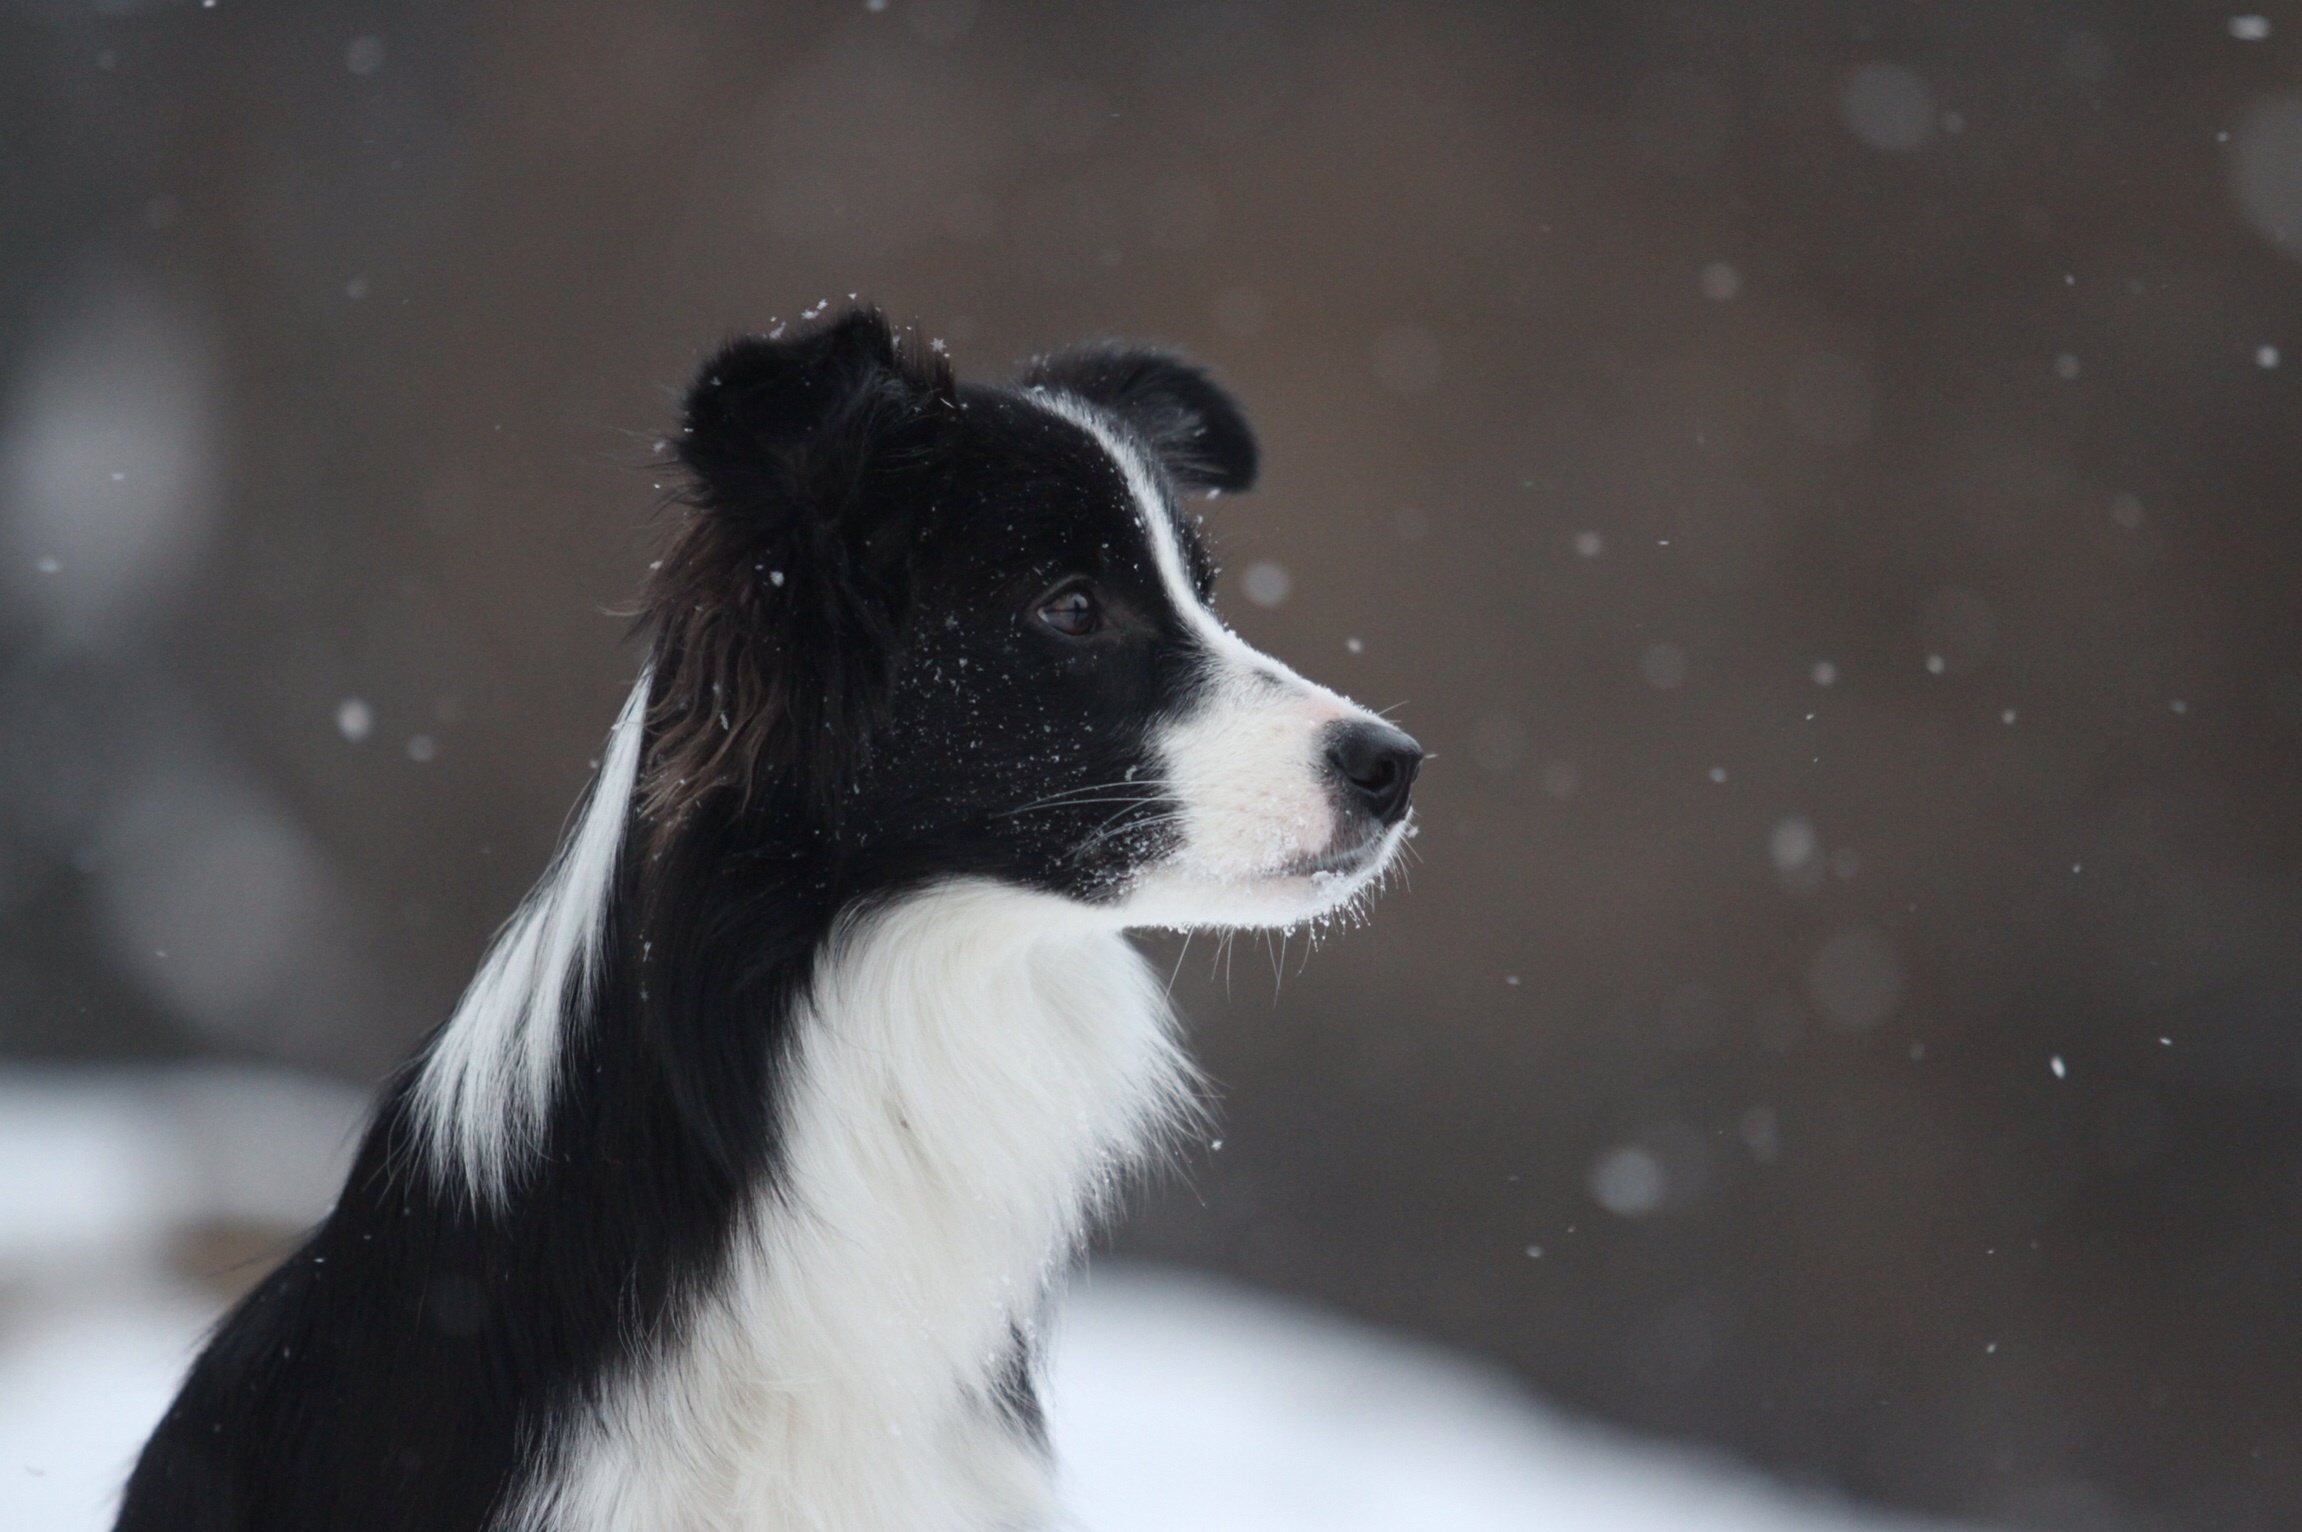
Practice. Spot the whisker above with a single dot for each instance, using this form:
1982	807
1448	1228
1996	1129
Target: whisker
1070	803
1177	971
1144	789
1102	835
1109	819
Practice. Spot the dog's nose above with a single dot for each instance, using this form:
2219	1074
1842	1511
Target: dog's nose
1376	765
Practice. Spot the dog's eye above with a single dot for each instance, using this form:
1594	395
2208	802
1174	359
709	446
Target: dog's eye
1072	613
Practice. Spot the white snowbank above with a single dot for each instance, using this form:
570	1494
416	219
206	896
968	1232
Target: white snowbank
1178	1401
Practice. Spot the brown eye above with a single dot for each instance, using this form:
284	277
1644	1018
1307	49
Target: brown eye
1072	613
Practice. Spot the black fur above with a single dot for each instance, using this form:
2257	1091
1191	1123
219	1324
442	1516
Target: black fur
892	712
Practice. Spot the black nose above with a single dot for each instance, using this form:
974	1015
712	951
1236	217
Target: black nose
1376	765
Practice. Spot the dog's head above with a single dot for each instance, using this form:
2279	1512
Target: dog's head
965	631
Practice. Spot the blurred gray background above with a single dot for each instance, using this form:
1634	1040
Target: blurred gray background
1819	476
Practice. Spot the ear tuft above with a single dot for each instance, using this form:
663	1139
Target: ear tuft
812	454
1196	428
767	405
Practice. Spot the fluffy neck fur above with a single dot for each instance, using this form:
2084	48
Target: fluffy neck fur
969	1074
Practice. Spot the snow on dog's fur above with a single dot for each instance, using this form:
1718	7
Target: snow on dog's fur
733	1193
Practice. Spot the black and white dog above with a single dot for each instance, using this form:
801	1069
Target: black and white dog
736	1188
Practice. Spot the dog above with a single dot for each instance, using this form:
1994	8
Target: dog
735	1191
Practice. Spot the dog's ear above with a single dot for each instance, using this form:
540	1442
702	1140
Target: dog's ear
1197	430
810	456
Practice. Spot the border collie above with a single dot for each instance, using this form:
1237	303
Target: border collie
736	1189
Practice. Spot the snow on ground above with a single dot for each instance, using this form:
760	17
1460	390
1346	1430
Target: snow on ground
1177	1401
1181	1402
78	1390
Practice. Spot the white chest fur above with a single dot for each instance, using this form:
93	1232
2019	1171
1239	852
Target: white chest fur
977	1069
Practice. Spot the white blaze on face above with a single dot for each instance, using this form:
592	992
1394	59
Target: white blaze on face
1247	763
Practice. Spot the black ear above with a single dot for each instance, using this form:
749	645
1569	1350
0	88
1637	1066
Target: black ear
774	423
811	456
1198	431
